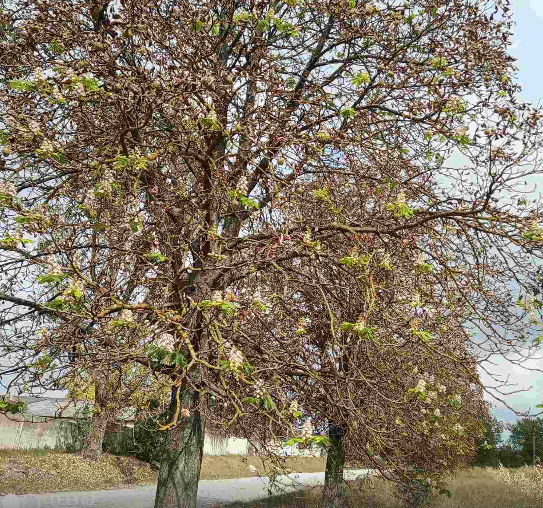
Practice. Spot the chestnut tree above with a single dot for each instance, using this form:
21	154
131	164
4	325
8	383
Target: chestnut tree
159	153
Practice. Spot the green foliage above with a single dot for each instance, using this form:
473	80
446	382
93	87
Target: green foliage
348	113
52	279
488	455
21	85
145	442
522	438
72	434
416	492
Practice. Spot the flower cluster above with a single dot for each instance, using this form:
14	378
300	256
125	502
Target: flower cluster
242	184
165	340
235	357
307	430
8	189
127	315
105	186
54	267
259	388
74	291
401	198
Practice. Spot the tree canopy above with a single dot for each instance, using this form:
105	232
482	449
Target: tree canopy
244	197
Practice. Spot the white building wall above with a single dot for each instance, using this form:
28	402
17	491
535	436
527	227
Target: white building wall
27	436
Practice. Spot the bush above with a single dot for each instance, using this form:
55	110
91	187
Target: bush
72	434
415	492
144	442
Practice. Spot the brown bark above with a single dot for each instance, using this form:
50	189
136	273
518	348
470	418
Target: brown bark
179	473
334	494
92	443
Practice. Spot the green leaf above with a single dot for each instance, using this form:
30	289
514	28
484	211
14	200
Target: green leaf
24	220
251	400
292	441
360	79
228	308
21	85
348	113
268	403
156	256
59	157
248	202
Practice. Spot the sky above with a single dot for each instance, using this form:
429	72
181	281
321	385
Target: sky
528	16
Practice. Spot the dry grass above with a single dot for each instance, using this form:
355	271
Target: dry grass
474	488
47	471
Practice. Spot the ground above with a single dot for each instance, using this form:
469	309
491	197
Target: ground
36	472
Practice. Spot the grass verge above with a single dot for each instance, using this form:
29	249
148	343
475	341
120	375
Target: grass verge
46	471
473	488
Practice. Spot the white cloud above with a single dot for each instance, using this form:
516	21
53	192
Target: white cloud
537	7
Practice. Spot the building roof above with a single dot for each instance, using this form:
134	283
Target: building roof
65	408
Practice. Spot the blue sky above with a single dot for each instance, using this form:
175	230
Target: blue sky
528	16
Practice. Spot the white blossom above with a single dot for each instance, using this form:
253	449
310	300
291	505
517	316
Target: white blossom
421	386
8	188
420	260
47	147
235	357
533	318
307	429
458	428
127	315
259	388
216	296
437	412
165	340
34	126
242	184
54	267
253	469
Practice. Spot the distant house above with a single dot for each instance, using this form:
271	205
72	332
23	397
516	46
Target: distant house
42	409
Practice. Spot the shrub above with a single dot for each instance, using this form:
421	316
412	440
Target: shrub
144	442
415	493
72	434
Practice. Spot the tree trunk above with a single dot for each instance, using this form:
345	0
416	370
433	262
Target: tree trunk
92	443
179	472
334	487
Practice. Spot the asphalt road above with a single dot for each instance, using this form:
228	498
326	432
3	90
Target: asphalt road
211	493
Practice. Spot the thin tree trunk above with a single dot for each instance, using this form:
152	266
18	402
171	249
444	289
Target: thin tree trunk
334	486
179	472
92	443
